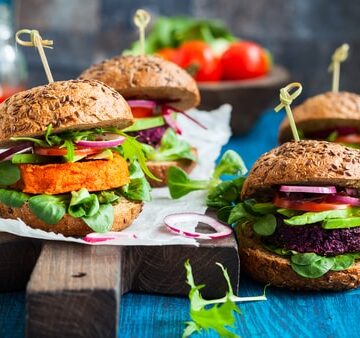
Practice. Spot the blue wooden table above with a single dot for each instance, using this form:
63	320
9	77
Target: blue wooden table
284	314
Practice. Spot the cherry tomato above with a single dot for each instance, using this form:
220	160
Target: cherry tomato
56	151
245	60
199	60
167	53
351	138
142	112
307	205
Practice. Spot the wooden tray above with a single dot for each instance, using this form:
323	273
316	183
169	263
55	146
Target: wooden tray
75	290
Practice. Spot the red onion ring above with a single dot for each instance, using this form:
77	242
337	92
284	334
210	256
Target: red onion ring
308	189
101	144
142	103
7	154
341	199
168	107
221	229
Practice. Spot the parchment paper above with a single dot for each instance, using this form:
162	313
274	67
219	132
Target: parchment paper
148	228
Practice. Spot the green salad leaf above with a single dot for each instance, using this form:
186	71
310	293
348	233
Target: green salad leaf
49	208
343	262
139	188
13	198
265	225
29	158
218	317
172	148
312	265
230	164
341	223
180	184
103	220
106	197
9	173
146	123
83	203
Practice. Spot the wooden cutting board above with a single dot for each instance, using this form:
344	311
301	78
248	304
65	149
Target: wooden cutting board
74	290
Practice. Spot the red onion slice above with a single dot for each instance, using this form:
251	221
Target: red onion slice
341	199
170	109
102	144
7	154
142	103
172	220
308	189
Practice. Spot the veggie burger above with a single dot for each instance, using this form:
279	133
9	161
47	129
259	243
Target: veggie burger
330	116
156	91
299	222
69	169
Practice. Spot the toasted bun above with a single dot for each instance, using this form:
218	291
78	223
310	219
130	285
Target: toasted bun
268	267
322	112
160	169
74	104
125	212
147	78
304	163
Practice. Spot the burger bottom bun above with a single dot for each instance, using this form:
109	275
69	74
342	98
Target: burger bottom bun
125	212
160	169
268	267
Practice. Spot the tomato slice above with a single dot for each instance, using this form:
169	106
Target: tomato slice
307	205
56	151
142	112
351	138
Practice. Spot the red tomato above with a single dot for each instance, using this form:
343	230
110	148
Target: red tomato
142	112
351	138
245	60
167	53
307	205
56	151
199	60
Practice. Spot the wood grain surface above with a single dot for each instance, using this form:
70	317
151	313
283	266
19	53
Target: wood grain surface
74	291
18	256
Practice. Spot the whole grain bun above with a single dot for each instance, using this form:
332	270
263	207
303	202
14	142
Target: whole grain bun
74	104
160	170
304	163
147	78
125	212
268	267
323	112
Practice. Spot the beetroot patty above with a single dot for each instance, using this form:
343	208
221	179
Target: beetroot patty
313	238
150	136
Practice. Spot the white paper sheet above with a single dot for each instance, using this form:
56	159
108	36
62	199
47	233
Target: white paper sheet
148	228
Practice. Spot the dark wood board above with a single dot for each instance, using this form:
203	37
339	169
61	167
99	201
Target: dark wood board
75	290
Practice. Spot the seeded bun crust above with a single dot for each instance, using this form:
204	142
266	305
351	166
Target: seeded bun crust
74	104
322	112
268	267
147	78
160	169
305	163
125	212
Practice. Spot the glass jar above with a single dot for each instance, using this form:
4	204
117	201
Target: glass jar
13	73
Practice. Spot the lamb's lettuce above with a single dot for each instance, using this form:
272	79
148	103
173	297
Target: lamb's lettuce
9	173
13	198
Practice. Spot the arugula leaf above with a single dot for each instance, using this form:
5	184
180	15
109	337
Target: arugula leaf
70	155
103	220
230	164
37	141
9	173
13	198
139	188
180	184
132	150
314	217
48	208
173	148
218	317
83	203
265	225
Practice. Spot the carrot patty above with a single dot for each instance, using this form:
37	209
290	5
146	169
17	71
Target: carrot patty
61	178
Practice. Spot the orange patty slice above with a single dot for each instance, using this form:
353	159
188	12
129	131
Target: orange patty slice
61	178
